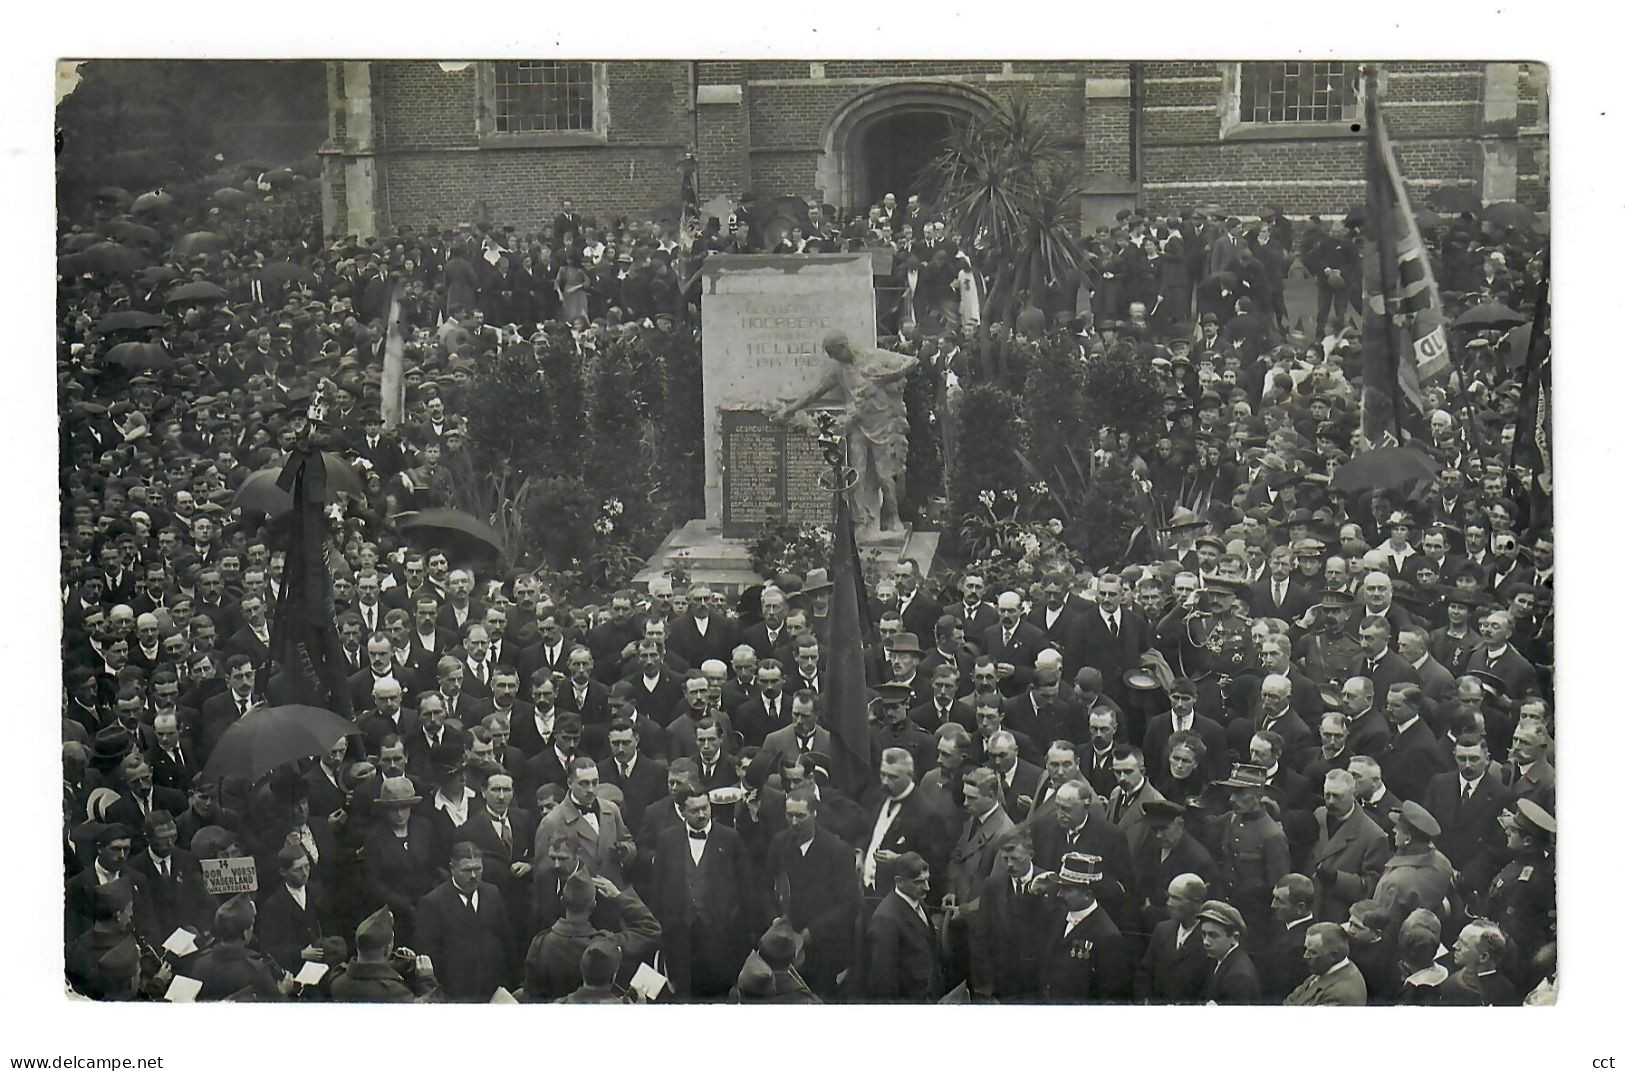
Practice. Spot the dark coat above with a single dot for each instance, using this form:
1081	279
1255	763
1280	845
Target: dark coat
1411	760
702	908
1113	655
902	965
471	950
283	929
1234	981
1091	964
1021	651
817	892
399	877
1170	973
1470	836
647	784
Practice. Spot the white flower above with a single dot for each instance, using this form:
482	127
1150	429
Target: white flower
603	526
1008	495
987	498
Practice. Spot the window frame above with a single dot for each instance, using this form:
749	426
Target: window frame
486	114
1233	128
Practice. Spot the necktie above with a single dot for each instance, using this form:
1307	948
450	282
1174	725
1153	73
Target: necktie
506	831
1466	792
242	707
468	899
1009	634
1111	625
626	771
163	868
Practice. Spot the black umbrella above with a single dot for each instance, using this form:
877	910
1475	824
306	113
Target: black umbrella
260	491
158	273
110	258
264	739
1426	218
200	242
113	193
203	290
136	355
1455	199
1517	341
1510	214
1390	468
454	531
129	230
78	243
288	272
128	320
280	176
1491	315
230	195
152	202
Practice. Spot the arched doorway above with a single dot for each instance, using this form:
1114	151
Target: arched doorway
897	151
879	140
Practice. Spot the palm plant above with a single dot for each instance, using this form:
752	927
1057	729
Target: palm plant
1008	185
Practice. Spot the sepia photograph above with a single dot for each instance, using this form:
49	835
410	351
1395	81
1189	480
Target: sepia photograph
832	531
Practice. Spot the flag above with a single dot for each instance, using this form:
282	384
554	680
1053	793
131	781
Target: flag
1405	344
846	710
1532	445
304	644
393	384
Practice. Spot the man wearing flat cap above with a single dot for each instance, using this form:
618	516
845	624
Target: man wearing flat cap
1234	979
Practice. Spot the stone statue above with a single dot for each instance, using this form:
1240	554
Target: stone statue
871	382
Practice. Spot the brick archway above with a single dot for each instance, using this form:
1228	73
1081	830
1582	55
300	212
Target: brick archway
843	167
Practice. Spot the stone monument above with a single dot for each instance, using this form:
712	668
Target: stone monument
763	326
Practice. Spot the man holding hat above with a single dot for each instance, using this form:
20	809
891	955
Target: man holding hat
462	926
1234	979
378	974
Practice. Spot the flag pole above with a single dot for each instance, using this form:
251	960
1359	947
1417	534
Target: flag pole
1379	218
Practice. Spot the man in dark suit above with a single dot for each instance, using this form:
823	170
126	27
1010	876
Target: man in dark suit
1083	957
173	762
254	637
1013	645
534	727
975	615
1183	718
1413	755
140	798
1078	824
902	964
505	835
1175	968
1499	657
1114	636
1007	924
293	913
1234	979
768	710
701	895
769	634
380	666
1060	620
1167	851
699	634
904	819
1383	667
583	695
1349	853
462	925
1282	591
918	611
657	689
1279	949
221	711
385	716
815	888
171	877
1467	803
641	779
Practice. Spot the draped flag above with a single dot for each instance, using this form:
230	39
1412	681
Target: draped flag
846	709
393	384
304	644
1532	446
1404	337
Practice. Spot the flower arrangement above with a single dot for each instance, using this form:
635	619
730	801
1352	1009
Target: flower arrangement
791	548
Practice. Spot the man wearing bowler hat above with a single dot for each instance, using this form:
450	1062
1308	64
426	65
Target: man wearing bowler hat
903	657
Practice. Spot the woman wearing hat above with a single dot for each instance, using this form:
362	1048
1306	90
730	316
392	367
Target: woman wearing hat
399	853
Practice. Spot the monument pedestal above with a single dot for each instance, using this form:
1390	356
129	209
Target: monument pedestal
722	564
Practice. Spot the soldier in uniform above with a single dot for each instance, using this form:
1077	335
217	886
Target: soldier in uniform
380	973
229	969
1252	851
1212	645
1523	896
1328	654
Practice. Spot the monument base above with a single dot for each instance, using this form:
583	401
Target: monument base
722	564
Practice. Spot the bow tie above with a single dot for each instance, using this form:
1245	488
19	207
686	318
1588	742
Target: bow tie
695	835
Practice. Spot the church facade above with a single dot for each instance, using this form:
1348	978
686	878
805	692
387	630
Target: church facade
438	144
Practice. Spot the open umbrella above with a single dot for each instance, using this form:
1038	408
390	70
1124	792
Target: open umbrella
1517	343
1427	219
158	273
203	290
1455	199
110	258
264	739
152	202
128	320
200	242
139	355
454	531
231	196
113	193
1491	315
1510	214
260	491
279	176
128	230
288	272
1393	468
78	243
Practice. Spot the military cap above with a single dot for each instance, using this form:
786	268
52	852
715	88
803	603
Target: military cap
1416	817
1080	868
895	692
1335	600
234	916
600	961
579	894
1222	913
1227	586
1245	775
779	945
1531	817
377	930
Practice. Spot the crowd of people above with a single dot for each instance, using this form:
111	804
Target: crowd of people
1299	752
